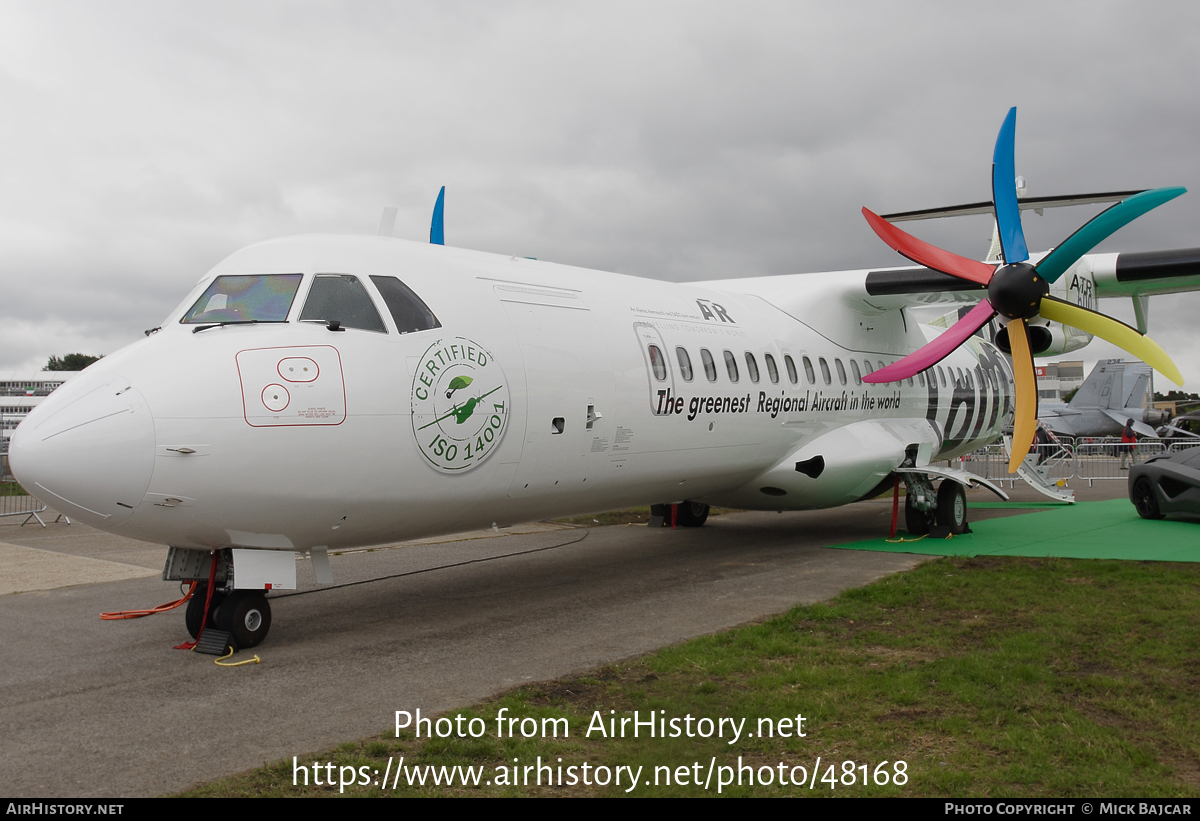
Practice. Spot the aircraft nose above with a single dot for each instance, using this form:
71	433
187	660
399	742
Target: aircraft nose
88	450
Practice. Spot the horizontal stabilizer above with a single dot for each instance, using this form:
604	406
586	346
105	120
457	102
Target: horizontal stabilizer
1139	427
1026	204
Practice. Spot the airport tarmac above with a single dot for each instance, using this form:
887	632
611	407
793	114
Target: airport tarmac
106	708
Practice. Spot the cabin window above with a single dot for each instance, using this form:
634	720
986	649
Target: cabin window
825	370
408	310
710	366
658	364
921	379
751	367
867	366
341	298
245	298
855	372
910	381
791	368
731	366
685	364
841	369
772	371
941	375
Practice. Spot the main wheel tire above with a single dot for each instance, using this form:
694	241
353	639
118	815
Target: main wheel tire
952	506
692	514
916	522
1144	500
246	615
195	609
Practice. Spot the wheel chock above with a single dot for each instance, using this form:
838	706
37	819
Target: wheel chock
215	642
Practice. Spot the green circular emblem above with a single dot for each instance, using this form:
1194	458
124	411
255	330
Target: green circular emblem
459	404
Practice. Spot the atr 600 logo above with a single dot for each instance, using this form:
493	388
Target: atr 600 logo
459	404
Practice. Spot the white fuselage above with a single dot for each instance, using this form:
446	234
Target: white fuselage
546	390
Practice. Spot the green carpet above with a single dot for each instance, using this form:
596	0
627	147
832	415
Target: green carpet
1087	530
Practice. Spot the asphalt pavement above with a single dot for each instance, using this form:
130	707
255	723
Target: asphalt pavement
98	708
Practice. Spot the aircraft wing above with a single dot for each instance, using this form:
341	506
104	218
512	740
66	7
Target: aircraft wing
874	291
870	292
1145	272
1123	274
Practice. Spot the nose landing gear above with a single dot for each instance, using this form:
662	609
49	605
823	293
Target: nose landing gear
243	614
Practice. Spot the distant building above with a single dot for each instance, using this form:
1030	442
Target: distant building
22	391
1056	379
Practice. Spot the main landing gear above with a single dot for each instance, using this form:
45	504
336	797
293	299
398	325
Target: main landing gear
936	514
683	514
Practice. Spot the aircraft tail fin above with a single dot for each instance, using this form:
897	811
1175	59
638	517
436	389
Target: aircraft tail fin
1101	386
437	228
1137	386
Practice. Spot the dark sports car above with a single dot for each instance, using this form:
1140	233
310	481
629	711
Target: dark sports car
1167	484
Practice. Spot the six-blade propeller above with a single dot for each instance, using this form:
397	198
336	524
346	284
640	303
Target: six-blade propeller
1018	291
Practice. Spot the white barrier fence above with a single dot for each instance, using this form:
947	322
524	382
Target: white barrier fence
14	501
1087	459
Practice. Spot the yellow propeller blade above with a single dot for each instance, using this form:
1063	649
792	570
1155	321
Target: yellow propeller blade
1025	421
1118	333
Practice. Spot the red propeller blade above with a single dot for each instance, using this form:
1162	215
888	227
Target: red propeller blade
928	255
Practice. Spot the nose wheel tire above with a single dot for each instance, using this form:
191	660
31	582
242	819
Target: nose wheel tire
246	615
952	507
195	609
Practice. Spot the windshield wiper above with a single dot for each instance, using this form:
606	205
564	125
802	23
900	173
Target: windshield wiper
239	322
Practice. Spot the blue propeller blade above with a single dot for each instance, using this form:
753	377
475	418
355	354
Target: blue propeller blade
1100	226
1004	193
437	229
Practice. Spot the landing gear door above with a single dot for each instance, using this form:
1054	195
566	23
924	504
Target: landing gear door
661	378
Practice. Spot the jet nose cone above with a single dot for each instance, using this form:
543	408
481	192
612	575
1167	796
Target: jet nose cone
88	450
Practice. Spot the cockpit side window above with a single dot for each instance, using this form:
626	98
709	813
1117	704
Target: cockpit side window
408	310
341	298
245	298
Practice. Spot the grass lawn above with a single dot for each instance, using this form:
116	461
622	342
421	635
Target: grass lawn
986	676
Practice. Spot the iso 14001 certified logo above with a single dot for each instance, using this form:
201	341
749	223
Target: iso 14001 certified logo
459	404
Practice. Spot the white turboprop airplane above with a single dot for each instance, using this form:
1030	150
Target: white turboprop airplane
326	392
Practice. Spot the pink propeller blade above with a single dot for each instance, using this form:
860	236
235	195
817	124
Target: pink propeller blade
929	355
928	255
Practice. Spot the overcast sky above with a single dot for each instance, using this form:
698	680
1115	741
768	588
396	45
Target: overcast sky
145	141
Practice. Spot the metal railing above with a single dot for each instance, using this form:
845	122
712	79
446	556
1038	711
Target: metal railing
1092	459
14	501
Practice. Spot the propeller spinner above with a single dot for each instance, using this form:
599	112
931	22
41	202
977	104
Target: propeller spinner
1019	291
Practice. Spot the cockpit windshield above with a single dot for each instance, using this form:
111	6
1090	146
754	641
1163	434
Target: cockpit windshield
245	298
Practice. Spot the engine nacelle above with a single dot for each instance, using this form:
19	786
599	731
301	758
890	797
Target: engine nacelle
1155	417
1048	338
